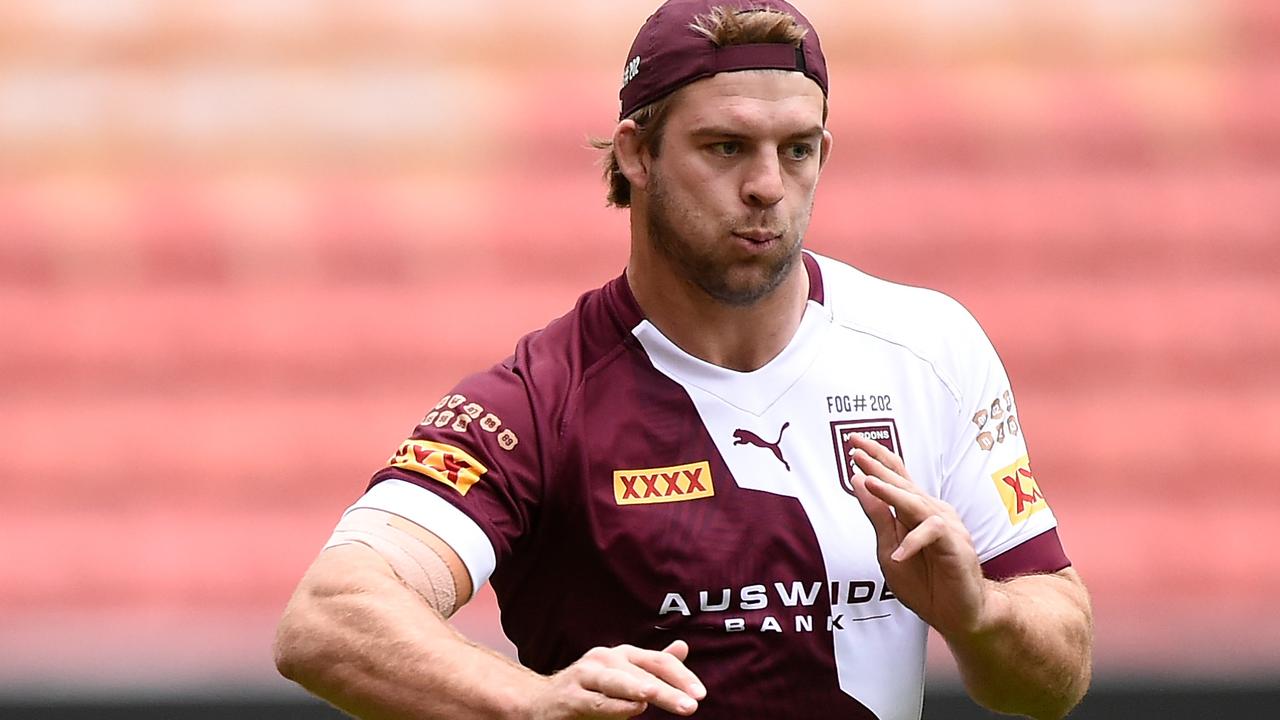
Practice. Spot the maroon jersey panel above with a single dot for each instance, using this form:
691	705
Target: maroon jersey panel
649	571
614	520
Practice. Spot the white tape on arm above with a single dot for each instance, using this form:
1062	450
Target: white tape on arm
428	510
417	564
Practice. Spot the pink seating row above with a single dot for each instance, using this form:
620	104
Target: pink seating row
1189	220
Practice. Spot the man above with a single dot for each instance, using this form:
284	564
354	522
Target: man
739	480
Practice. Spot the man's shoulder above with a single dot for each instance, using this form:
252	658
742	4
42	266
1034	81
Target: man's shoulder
549	364
926	323
918	317
525	397
596	328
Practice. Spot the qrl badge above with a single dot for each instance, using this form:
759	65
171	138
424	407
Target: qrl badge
883	431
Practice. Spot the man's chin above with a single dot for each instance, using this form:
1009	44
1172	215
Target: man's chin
744	291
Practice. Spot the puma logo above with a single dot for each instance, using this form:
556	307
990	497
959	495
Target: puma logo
746	437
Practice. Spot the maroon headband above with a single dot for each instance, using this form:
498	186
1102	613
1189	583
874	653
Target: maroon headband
667	54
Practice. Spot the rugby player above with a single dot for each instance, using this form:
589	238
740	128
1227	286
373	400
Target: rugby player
740	480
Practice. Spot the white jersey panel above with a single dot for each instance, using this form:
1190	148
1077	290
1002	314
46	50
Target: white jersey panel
910	368
985	471
879	643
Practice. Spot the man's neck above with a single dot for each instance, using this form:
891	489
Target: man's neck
742	338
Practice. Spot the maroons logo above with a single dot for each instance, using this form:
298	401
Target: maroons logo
882	430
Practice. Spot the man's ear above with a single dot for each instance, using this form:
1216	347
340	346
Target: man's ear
633	155
825	152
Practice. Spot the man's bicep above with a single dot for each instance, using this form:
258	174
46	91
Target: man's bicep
441	551
1065	584
423	503
1072	581
418	557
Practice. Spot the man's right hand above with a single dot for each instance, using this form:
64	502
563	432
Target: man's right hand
620	682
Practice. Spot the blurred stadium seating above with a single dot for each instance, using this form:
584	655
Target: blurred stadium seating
245	244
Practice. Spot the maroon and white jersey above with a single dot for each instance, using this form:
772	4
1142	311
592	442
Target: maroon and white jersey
615	489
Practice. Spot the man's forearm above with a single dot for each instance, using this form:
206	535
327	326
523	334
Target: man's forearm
1033	655
364	642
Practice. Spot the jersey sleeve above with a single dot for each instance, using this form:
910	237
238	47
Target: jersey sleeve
475	454
988	475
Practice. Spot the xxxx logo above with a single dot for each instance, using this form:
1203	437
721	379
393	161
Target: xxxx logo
439	461
663	485
1019	491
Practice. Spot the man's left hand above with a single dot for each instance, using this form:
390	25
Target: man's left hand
925	551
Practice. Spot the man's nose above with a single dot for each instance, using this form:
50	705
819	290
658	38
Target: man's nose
763	184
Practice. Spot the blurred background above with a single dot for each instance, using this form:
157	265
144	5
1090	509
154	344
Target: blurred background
246	244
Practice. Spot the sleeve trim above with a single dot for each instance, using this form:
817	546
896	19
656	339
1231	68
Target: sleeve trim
1041	554
423	507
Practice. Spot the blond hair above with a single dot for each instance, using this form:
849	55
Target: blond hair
724	27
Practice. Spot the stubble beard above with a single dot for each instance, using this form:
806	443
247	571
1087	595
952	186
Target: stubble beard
711	274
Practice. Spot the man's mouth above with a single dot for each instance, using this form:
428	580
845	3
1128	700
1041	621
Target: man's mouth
758	236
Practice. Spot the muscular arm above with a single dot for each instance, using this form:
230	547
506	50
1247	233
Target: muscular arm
1032	654
355	635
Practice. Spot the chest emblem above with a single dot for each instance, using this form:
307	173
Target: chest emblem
882	430
746	437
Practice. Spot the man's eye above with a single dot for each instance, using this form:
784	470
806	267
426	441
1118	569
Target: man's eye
800	151
727	148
